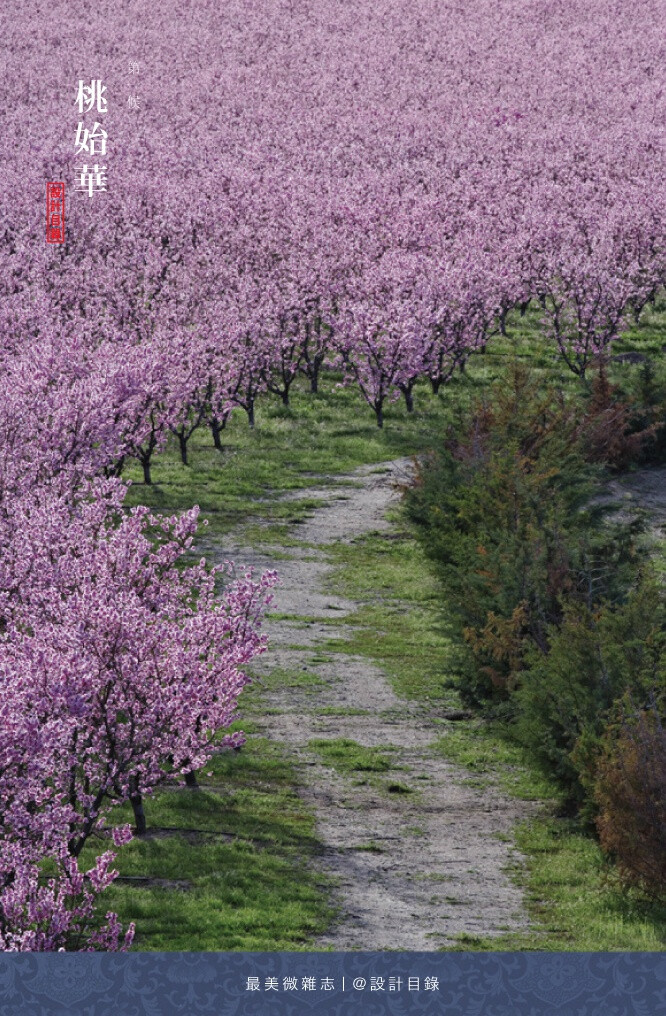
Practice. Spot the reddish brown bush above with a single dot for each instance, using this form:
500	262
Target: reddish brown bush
630	790
608	428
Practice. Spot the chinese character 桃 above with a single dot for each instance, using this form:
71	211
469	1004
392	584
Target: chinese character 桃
92	95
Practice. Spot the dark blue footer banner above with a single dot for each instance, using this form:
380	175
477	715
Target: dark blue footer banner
251	984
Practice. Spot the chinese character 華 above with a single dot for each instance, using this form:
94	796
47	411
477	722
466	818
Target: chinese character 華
94	179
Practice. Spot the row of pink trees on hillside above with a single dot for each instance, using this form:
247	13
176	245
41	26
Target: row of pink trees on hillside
370	186
119	668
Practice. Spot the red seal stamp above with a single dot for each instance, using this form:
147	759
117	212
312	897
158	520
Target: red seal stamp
55	212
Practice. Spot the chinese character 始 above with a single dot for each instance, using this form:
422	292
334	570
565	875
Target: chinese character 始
86	140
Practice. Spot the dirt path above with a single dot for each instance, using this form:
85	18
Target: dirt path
645	489
420	853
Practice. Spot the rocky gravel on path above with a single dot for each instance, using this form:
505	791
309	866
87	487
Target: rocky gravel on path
420	853
644	489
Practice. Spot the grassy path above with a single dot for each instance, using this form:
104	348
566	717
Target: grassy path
418	848
356	685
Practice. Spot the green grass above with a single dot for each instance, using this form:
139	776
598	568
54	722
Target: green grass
276	678
399	623
483	750
572	892
347	756
340	711
573	898
288	450
228	867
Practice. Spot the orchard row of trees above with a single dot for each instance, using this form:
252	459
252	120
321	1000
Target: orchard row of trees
118	668
338	189
370	186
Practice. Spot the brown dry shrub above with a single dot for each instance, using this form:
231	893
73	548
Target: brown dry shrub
630	791
608	426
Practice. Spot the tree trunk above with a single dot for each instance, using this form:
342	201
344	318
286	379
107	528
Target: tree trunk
314	379
250	414
137	807
145	462
409	399
379	410
191	780
182	441
216	430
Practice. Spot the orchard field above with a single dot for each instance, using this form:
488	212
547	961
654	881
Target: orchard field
332	476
